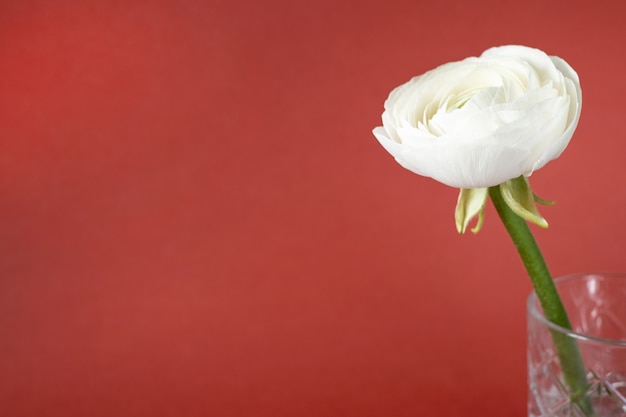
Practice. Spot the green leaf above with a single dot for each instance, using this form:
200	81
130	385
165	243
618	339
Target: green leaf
520	198
471	203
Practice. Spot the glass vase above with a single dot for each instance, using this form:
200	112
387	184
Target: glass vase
596	306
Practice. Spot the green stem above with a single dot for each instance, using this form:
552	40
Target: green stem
566	347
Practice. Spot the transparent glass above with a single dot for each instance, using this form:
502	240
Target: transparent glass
596	306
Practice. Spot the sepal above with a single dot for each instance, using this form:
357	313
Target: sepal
520	198
543	202
471	203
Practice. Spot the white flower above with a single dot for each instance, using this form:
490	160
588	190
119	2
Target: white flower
484	120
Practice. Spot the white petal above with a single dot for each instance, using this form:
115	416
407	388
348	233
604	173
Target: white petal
463	165
536	58
386	141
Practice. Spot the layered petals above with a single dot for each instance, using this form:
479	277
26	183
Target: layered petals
484	120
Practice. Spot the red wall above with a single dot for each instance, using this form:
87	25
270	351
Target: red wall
195	219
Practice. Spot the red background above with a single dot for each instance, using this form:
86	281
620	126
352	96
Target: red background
197	221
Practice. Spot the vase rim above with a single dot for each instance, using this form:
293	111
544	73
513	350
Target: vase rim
534	308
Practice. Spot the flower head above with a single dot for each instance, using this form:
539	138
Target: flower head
484	120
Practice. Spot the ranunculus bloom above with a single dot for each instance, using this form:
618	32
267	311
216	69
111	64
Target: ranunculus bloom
484	120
